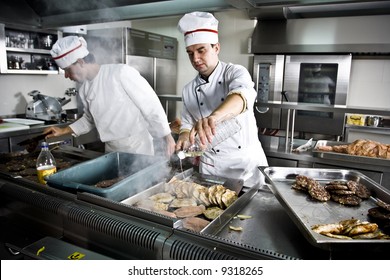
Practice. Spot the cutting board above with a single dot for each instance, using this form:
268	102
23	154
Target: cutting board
23	121
7	127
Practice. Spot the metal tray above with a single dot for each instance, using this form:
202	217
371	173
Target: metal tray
205	180
306	212
341	156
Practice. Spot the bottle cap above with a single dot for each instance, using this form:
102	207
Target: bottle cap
44	144
181	155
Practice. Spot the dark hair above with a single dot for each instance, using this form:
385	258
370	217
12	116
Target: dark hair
90	58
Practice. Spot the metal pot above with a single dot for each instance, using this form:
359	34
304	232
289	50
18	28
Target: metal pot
373	121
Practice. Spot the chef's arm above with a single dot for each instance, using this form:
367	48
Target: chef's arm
55	131
205	128
233	105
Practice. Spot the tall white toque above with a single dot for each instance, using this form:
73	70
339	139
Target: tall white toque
199	28
67	50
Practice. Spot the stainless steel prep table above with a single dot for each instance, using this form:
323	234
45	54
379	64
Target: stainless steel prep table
9	140
277	155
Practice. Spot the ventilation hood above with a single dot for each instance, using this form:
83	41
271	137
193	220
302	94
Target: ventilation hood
294	9
54	14
359	28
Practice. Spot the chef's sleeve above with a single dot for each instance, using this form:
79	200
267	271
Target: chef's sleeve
146	100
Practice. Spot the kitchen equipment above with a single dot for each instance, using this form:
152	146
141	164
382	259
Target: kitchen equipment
373	121
319	79
45	107
307	213
131	172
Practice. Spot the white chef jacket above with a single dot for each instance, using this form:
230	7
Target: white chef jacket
240	155
124	108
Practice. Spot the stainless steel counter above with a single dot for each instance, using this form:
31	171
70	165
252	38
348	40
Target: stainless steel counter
279	154
30	212
9	140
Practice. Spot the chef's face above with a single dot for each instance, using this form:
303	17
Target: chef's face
75	71
204	57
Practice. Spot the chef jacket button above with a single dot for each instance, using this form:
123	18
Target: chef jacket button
217	151
239	147
198	89
201	103
222	99
219	82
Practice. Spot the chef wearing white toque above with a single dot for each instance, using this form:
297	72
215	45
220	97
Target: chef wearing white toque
220	89
117	100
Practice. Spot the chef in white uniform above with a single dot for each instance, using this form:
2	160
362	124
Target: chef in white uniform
219	90
117	100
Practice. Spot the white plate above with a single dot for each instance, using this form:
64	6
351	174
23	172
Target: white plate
24	121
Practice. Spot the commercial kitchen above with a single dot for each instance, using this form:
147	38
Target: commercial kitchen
278	42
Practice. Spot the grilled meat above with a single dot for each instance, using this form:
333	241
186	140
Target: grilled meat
361	147
162	197
182	202
212	212
194	223
108	183
350	200
383	204
189	211
318	191
350	229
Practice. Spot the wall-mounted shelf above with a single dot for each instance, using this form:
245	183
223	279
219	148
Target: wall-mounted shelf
27	51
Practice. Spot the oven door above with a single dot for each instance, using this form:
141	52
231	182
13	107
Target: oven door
320	79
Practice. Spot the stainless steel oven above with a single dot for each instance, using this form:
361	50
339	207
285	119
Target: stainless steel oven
320	79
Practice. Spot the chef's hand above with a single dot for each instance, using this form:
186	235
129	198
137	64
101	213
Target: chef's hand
183	141
170	145
54	131
205	129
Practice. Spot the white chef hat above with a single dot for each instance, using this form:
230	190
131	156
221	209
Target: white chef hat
67	50
199	28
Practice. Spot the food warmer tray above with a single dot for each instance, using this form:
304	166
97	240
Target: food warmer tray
306	212
207	181
341	156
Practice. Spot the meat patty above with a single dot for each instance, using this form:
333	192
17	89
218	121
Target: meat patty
108	183
351	200
318	191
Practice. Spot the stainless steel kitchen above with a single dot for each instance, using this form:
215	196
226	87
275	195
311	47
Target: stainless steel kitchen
321	73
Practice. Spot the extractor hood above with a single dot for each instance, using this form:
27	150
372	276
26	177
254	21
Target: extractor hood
293	9
360	35
60	13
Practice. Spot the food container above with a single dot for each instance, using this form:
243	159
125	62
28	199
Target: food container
136	171
356	119
373	121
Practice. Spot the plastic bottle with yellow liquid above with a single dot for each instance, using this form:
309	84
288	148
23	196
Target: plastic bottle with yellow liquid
46	164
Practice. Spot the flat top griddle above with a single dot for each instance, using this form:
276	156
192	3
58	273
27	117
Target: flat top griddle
306	212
